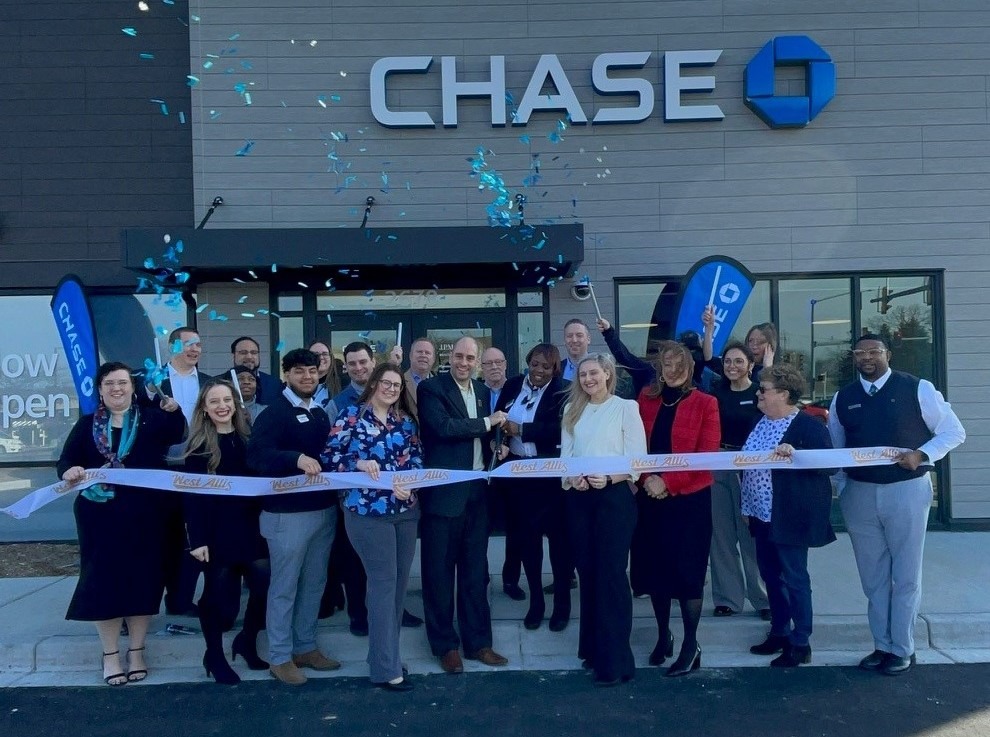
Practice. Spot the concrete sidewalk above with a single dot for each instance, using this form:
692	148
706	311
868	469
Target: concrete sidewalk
39	648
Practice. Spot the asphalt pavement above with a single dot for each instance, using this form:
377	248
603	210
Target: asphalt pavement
934	701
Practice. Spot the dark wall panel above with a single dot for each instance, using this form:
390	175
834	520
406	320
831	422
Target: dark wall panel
84	153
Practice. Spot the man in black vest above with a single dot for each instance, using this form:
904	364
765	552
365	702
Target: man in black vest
886	507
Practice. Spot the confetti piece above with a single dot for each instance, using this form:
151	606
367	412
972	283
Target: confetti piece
304	285
280	346
540	245
149	263
312	43
343	73
241	300
182	118
244	151
524	138
234	37
247	65
322	100
176	346
143	6
247	314
274	268
146	55
207	64
329	319
129	31
214	114
164	108
239	281
202	307
247	98
262	311
253	275
192	80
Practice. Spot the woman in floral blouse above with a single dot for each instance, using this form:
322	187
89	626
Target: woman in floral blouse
376	434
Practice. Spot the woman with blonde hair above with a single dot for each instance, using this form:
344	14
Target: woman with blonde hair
223	532
601	513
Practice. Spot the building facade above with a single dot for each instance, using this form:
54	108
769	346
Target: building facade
456	167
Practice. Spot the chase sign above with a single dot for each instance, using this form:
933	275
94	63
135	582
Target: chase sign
789	111
549	73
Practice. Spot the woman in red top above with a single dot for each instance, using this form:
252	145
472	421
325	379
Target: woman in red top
675	512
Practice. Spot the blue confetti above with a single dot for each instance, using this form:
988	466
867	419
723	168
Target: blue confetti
540	245
234	37
247	65
202	307
176	346
247	314
164	109
241	300
149	263
129	31
192	80
182	118
245	149
280	346
146	55
274	268
524	138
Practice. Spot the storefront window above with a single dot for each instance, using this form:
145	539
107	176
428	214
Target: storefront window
530	334
409	299
900	309
38	403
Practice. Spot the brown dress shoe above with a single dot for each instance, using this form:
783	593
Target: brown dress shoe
316	660
288	673
451	662
489	657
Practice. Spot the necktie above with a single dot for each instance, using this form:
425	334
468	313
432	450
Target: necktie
873	389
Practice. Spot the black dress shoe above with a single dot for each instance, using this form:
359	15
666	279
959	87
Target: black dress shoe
410	620
400	687
792	657
514	591
724	611
894	665
771	646
874	661
663	650
559	621
534	618
686	662
359	629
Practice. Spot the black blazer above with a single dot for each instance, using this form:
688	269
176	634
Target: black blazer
544	430
802	499
448	436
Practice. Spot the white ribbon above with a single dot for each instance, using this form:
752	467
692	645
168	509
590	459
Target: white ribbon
428	477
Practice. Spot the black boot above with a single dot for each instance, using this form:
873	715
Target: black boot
792	657
216	665
246	645
771	646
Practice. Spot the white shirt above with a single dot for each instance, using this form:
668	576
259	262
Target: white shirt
471	405
947	431
612	428
522	410
185	389
570	368
296	401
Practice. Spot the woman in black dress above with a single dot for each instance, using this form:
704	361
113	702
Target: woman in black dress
223	532
122	538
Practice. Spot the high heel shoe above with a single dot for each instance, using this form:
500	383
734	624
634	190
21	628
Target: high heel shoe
114	679
685	663
663	650
216	665
135	674
245	645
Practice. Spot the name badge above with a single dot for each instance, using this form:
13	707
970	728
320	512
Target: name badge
854	406
302	418
748	401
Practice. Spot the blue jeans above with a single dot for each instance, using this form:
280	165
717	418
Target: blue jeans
784	569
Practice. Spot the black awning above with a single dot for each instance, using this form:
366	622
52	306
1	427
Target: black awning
379	257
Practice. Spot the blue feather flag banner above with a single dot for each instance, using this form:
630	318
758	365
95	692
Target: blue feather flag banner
74	322
721	282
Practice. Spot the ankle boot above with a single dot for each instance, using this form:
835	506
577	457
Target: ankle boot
216	665
246	645
792	657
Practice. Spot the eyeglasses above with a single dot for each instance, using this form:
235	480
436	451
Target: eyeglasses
496	362
871	353
390	385
764	389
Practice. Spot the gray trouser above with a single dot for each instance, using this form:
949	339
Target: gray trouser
299	546
730	530
886	524
386	546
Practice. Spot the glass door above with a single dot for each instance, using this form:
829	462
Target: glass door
446	328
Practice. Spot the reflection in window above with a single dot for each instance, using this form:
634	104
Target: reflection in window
815	330
530	334
290	336
900	309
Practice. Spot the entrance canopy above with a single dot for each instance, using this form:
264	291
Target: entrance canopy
476	256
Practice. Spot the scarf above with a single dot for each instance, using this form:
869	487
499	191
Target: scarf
103	439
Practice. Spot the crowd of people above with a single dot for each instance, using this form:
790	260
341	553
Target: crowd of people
304	555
